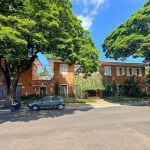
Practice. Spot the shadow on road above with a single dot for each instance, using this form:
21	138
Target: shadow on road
25	115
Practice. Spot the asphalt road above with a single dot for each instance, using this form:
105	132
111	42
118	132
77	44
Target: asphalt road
111	128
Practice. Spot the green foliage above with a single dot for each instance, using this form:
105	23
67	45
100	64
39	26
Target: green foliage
79	101
44	72
147	72
132	38
56	88
28	27
108	91
30	96
92	82
134	87
78	91
117	100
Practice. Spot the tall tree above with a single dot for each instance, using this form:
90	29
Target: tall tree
28	27
132	38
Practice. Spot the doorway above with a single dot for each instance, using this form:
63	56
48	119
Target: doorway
64	90
42	91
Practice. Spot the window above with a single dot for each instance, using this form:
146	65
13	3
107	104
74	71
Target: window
107	70
77	69
63	69
120	71
130	71
138	71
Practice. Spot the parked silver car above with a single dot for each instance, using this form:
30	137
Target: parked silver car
48	102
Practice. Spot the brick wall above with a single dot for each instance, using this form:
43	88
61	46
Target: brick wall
64	78
120	79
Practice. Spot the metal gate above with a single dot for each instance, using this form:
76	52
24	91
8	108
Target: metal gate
18	92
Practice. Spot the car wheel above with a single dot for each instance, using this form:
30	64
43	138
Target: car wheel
60	106
35	107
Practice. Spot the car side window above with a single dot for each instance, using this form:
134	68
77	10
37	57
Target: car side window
47	99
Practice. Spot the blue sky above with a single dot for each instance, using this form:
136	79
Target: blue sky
103	16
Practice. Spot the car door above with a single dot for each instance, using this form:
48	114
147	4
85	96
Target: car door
46	103
54	102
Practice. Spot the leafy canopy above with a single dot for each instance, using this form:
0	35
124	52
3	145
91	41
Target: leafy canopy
132	38
93	82
28	27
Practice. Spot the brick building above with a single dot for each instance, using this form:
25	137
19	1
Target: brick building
31	83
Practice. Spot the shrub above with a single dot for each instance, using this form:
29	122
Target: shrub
31	96
134	87
56	88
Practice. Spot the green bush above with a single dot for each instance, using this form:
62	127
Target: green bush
108	91
134	87
31	96
56	88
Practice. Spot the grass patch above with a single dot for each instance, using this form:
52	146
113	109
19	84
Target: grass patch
67	100
135	99
71	100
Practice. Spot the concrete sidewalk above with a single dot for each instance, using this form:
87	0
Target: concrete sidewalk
97	104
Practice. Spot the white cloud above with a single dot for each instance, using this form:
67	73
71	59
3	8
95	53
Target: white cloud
90	8
86	21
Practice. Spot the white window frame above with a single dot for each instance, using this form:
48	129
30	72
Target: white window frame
118	73
62	70
128	71
106	70
76	67
136	70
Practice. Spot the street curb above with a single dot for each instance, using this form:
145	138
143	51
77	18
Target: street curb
86	107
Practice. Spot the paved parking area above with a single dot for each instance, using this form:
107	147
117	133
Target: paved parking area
109	128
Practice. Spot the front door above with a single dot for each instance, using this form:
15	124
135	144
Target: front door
42	91
63	90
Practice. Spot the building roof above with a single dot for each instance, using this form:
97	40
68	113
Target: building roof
122	63
115	63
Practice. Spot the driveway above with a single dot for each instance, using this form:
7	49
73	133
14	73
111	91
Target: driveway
109	128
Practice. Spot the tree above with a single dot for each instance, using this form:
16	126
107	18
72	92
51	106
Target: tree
92	82
44	72
132	38
147	72
28	27
56	88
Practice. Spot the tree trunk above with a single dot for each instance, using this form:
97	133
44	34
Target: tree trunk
10	73
10	85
